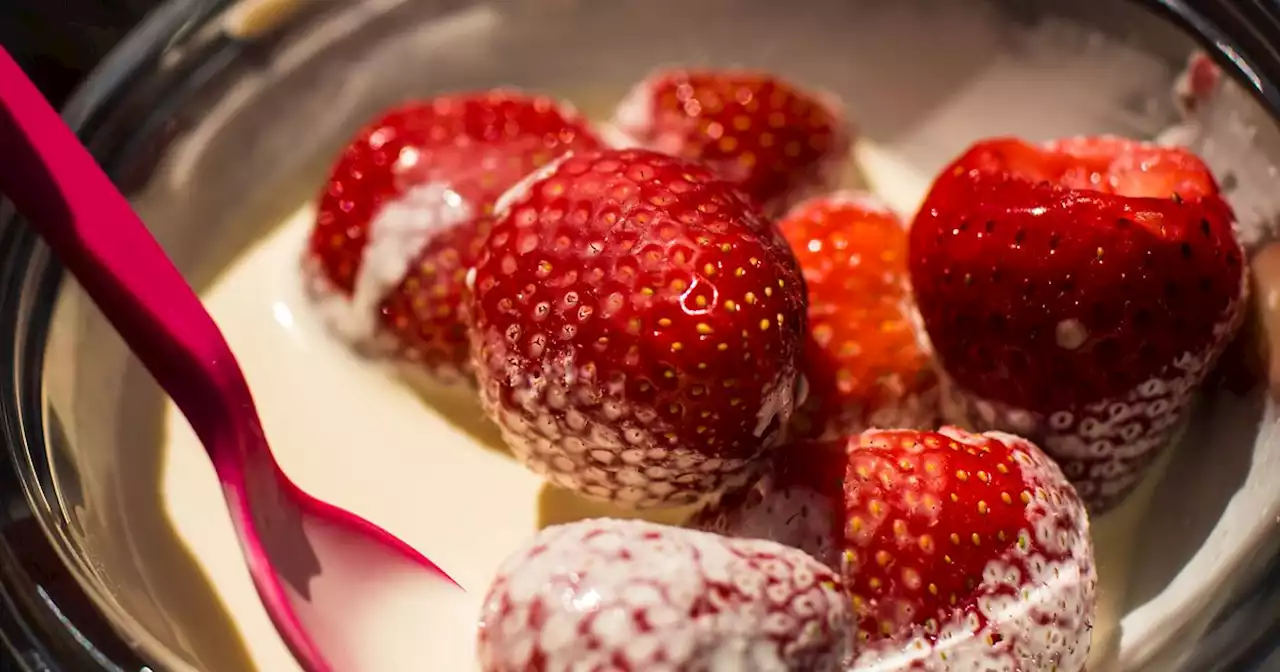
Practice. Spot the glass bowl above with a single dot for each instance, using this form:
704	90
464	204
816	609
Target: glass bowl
219	119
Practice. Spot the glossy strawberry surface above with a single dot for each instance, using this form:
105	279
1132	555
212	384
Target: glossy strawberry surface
1077	292
637	328
628	596
407	203
864	363
776	141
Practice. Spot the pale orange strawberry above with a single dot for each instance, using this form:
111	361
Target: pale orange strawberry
864	365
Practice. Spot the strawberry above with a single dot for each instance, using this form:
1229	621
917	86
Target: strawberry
1077	293
404	211
959	550
965	551
863	362
636	328
775	141
632	595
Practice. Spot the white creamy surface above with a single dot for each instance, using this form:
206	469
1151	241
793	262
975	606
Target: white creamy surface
434	474
400	229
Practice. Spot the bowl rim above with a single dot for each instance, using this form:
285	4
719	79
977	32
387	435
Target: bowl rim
1240	34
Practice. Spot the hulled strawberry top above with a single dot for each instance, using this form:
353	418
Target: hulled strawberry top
1053	276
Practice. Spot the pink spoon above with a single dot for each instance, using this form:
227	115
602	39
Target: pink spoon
310	562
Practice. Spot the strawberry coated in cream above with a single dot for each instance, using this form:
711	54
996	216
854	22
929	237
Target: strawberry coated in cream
636	328
406	206
608	594
959	551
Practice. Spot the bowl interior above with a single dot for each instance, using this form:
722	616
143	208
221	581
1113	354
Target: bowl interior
235	153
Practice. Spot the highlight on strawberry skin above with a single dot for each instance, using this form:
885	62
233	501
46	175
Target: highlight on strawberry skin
1077	292
405	208
772	139
636	329
631	595
958	550
865	364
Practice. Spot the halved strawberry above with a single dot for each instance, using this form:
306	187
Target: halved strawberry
632	595
863	362
1077	293
959	550
637	327
404	210
774	140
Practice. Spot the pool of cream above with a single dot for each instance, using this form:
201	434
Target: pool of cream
422	462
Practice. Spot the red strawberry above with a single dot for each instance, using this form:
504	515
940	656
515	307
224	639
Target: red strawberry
772	139
406	206
965	551
631	595
863	362
637	327
960	551
1077	293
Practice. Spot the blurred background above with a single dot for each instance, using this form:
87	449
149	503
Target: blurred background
59	41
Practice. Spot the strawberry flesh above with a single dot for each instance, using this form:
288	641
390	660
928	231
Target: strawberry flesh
864	363
407	204
631	596
1077	292
775	141
636	329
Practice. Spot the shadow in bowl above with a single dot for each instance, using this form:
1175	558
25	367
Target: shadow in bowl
557	506
460	407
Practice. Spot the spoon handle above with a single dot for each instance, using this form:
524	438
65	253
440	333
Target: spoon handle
63	194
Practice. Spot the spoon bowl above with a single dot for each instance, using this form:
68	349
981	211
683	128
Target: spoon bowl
315	566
